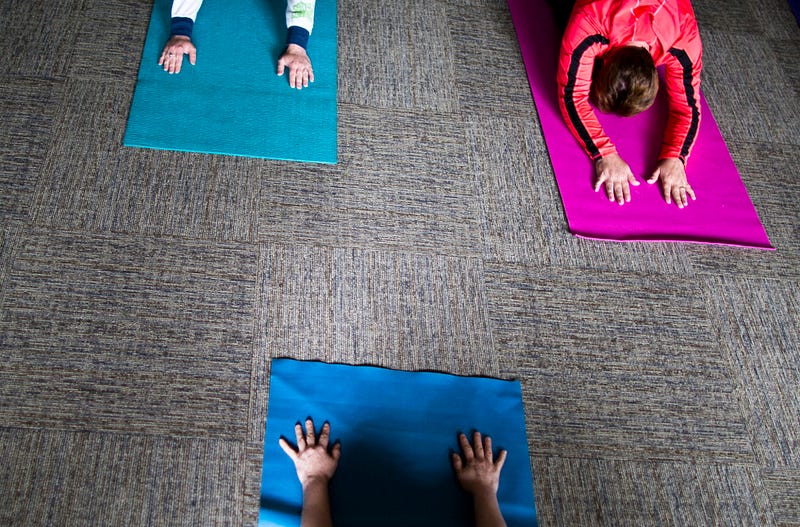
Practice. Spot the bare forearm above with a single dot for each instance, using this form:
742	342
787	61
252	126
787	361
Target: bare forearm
316	505
487	511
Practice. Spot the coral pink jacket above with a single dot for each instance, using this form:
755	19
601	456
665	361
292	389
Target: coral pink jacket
670	29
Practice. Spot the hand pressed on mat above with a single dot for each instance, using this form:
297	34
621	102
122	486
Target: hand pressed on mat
299	64
174	50
315	466
479	474
674	186
613	172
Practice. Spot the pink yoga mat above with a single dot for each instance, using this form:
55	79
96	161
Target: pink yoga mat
722	213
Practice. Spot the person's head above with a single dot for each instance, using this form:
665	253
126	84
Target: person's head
626	82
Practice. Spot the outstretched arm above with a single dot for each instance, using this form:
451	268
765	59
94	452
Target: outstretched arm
683	66
479	474
315	467
299	24
583	41
180	43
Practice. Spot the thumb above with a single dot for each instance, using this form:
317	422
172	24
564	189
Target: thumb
457	463
192	56
287	448
655	175
281	66
501	459
337	451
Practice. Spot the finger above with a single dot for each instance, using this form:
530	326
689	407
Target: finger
626	192
171	63
501	459
599	183
690	192
301	439
679	196
477	444
162	58
619	194
458	464
310	75
292	76
337	451
487	448
668	194
466	448
305	79
610	191
286	447
193	56
324	435
310	433
177	60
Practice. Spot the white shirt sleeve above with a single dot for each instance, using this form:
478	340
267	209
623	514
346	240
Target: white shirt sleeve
299	13
186	8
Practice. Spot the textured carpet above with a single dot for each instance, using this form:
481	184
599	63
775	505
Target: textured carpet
142	293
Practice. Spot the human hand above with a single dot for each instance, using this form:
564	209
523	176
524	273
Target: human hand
172	56
300	72
613	172
478	473
312	461
674	185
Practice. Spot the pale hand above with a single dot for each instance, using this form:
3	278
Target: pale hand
615	174
674	186
312	461
300	72
478	473
172	56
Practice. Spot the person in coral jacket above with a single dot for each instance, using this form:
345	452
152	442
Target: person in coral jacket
629	39
299	23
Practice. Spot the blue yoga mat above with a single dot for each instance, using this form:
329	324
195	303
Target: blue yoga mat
232	102
396	429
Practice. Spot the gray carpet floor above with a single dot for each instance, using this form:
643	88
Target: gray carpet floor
143	293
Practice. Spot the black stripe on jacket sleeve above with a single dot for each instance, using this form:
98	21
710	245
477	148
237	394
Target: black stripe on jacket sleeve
569	90
691	99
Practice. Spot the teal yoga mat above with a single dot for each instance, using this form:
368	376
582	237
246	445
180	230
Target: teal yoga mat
232	102
396	429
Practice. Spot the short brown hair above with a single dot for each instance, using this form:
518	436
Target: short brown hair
626	82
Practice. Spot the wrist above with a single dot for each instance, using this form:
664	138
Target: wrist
484	499
315	481
669	159
294	48
484	493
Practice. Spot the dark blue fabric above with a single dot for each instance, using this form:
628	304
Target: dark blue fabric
297	35
397	430
795	5
180	25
